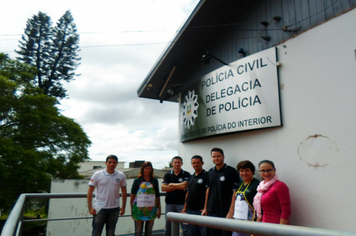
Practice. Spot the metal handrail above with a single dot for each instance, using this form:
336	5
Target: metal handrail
13	224
14	221
249	227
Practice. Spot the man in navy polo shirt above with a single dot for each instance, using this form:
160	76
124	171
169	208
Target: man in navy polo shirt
195	197
223	179
175	184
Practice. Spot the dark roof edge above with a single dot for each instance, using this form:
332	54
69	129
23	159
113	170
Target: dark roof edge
169	47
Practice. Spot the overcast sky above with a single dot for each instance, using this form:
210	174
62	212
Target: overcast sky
120	41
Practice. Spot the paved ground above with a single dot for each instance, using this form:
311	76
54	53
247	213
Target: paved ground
154	233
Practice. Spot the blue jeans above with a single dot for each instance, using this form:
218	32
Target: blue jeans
195	230
106	217
174	208
139	227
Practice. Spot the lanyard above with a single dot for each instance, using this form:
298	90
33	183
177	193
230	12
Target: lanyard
243	193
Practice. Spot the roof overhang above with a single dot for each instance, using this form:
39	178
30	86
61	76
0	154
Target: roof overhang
208	20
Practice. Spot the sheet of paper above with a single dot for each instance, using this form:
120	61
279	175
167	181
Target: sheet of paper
241	209
146	200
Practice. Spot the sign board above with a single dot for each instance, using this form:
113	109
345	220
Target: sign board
241	96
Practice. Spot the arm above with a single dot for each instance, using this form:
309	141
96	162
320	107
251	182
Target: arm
230	214
124	197
164	186
283	221
284	201
184	210
158	202
90	199
132	196
158	197
179	186
167	188
134	189
205	210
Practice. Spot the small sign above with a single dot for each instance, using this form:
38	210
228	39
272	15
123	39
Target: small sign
146	200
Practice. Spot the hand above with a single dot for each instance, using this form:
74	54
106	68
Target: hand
230	215
122	211
183	211
92	211
159	213
204	212
173	185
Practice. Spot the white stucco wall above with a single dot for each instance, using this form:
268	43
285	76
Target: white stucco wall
89	165
314	150
65	208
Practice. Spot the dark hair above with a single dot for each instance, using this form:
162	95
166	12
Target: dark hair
111	157
246	165
177	157
197	157
144	165
267	162
217	150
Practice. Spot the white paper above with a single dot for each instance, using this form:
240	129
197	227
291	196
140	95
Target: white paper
97	209
241	209
146	200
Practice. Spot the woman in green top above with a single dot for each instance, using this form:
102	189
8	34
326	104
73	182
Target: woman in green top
242	200
145	200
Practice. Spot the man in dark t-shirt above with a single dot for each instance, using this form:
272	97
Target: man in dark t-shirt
195	197
175	183
223	179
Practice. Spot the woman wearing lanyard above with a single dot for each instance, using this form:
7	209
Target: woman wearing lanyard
145	200
241	204
273	196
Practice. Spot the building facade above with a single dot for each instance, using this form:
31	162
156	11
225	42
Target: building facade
312	47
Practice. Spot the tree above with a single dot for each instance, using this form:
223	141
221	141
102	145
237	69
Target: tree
37	143
52	50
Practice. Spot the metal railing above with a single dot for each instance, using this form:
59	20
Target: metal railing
249	227
14	223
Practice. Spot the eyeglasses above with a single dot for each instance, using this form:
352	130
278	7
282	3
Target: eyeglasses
266	171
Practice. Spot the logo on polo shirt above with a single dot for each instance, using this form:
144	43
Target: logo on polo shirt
222	178
180	179
117	180
200	181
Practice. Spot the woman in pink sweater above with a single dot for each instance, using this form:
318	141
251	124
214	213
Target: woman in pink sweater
272	202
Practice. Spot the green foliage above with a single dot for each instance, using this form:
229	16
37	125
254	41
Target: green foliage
37	143
52	50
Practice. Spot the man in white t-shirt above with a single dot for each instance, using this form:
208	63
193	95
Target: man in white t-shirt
107	198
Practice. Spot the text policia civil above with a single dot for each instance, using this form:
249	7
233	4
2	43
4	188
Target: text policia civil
237	89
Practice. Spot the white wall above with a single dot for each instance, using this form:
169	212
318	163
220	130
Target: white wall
65	208
314	150
89	165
